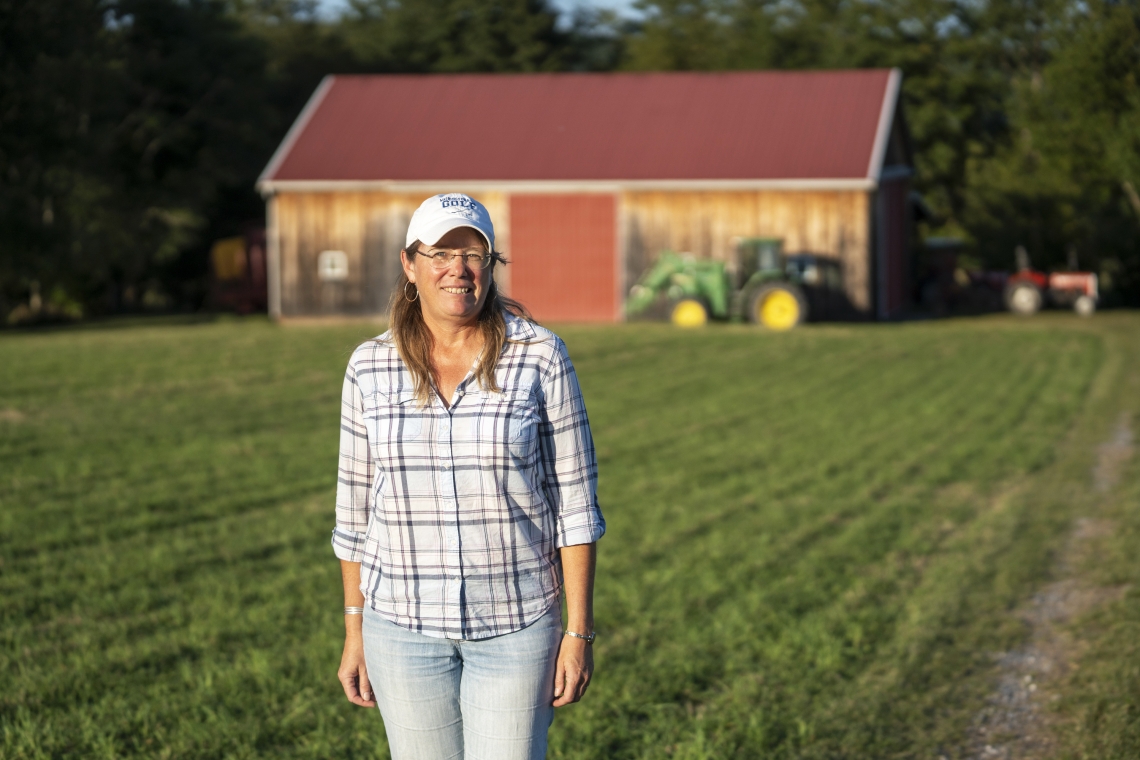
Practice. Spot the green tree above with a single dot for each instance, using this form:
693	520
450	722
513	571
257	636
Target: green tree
456	35
190	116
124	124
1067	180
50	72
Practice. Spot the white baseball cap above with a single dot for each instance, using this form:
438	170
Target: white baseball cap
440	214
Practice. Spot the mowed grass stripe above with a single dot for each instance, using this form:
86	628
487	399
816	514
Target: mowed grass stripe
809	534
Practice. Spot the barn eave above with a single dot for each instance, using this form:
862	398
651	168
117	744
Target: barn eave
841	184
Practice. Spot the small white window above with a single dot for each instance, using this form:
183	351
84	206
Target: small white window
332	266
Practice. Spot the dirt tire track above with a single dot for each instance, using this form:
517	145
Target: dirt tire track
1014	724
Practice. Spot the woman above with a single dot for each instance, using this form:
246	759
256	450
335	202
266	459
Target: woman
466	502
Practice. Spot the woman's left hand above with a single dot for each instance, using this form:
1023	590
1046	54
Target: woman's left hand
575	667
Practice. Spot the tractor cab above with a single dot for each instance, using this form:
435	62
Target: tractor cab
758	256
780	290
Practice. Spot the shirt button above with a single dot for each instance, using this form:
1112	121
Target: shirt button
460	391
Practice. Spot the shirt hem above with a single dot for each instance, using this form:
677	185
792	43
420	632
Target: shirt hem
528	621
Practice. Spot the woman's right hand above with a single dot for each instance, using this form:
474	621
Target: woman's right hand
353	672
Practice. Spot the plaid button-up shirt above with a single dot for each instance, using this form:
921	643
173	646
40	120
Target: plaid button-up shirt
456	514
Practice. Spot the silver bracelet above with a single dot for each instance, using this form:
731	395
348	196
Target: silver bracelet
354	610
588	639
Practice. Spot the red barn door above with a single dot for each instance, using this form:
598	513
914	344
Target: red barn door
563	258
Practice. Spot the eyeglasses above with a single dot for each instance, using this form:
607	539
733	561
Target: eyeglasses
476	258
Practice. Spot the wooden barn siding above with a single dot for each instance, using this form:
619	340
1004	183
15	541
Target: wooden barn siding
369	227
833	224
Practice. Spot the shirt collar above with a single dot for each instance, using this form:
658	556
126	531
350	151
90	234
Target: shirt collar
519	329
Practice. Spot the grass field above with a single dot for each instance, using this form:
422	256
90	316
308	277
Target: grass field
817	540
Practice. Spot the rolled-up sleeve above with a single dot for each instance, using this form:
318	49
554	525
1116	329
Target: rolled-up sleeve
354	475
570	463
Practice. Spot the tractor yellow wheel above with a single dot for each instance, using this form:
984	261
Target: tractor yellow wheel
689	312
778	308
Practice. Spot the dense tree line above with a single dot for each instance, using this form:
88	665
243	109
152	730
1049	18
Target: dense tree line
131	131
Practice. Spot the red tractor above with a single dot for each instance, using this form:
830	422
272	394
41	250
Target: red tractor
1027	290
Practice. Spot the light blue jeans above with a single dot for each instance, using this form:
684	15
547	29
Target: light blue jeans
487	699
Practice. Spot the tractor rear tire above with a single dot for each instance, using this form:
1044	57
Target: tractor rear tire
1023	298
689	312
1085	306
777	306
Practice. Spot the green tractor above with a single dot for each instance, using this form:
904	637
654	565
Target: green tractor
767	288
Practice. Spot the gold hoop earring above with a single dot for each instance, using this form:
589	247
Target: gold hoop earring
410	300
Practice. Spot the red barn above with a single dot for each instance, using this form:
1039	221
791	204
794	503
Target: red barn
588	177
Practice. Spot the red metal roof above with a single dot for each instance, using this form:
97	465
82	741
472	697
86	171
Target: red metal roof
627	126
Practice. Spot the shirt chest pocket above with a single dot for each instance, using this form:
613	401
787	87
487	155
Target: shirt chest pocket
393	417
522	415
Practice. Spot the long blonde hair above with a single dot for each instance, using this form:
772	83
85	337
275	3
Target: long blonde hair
414	341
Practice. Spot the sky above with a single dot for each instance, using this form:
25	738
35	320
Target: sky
331	7
568	6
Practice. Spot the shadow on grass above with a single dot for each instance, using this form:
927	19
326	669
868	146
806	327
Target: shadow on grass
130	322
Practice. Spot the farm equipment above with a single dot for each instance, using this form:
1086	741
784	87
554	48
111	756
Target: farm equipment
767	287
1028	290
237	272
